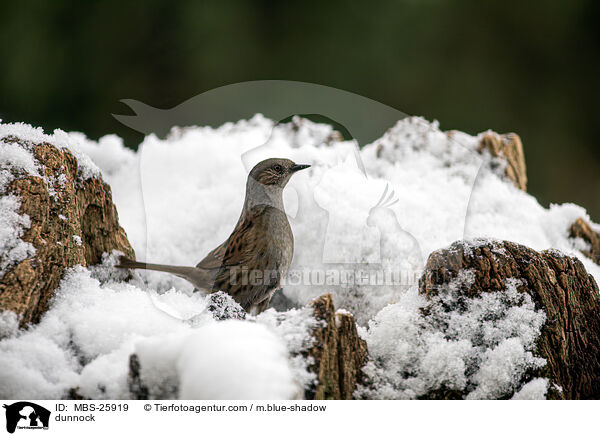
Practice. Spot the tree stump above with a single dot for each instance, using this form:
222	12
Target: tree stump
73	221
338	353
560	285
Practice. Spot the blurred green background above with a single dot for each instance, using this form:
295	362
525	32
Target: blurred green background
527	67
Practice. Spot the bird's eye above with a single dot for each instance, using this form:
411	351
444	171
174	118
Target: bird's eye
278	168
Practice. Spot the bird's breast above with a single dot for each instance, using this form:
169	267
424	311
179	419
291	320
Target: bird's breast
279	241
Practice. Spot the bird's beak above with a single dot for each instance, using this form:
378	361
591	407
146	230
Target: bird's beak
298	168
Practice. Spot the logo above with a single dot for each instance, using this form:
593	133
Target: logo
26	415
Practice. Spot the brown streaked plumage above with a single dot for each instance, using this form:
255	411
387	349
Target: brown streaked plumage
251	263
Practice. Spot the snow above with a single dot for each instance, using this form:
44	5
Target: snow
9	324
15	158
482	346
247	359
179	197
17	161
59	138
534	390
14	161
294	328
86	338
12	226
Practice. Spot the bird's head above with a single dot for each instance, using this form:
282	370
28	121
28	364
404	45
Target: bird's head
275	172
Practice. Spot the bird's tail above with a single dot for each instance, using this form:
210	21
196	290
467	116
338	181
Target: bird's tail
196	276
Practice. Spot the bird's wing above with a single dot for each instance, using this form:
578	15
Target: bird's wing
238	249
214	259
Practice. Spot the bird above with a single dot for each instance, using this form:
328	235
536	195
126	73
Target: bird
251	263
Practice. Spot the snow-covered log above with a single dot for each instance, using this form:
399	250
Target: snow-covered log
558	284
65	217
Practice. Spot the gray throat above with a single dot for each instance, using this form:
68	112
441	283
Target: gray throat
258	194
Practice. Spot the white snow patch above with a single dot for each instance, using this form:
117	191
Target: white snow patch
9	324
482	345
233	360
294	328
12	227
534	390
15	159
60	139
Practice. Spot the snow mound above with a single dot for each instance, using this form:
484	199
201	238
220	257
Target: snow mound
86	338
235	360
180	196
479	348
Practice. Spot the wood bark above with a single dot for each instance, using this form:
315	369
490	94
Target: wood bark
510	148
507	147
581	229
338	353
72	222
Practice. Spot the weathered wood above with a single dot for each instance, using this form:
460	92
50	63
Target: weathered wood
581	229
73	221
338	353
510	148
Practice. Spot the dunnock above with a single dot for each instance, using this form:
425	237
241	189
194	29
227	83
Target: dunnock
251	263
